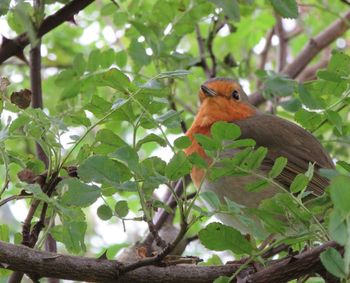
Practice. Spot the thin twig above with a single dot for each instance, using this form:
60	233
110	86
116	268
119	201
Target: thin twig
217	26
16	197
159	241
282	48
174	107
202	56
265	52
162	215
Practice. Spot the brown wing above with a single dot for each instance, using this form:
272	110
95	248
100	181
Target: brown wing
283	138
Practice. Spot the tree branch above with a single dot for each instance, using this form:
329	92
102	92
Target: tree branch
282	47
162	215
311	49
201	48
12	47
310	72
217	26
46	264
265	52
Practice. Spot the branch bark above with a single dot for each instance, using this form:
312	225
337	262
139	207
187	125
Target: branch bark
311	49
45	264
12	47
282	47
201	49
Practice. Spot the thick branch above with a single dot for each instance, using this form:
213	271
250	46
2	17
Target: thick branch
310	72
306	263
15	46
46	264
312	48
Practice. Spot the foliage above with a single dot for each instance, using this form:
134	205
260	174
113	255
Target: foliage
113	102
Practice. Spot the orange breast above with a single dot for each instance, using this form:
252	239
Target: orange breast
197	174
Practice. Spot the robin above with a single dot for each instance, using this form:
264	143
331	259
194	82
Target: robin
223	99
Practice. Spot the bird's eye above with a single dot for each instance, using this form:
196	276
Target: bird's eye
235	95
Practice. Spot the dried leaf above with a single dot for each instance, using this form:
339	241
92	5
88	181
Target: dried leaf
21	98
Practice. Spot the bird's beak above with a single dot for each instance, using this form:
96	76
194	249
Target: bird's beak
208	91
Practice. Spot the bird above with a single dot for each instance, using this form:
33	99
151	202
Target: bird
223	99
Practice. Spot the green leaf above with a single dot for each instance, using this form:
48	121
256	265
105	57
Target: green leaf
309	120
222	279
212	199
206	142
121	58
101	169
213	260
114	249
138	54
98	105
107	58
108	9
291	104
340	193
93	61
71	234
104	212
277	85
219	237
229	8
79	64
4	233
310	97
158	204
116	79
178	166
151	138
335	119
121	208
333	262
256	158
345	165
286	8
4	6
127	155
79	194
240	143
170	119
256	186
339	64
225	131
197	160
299	183
337	227
278	167
182	142
38	193
109	141
329	76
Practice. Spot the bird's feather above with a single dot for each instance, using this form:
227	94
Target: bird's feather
284	138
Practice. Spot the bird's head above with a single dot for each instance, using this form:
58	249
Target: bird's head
222	100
